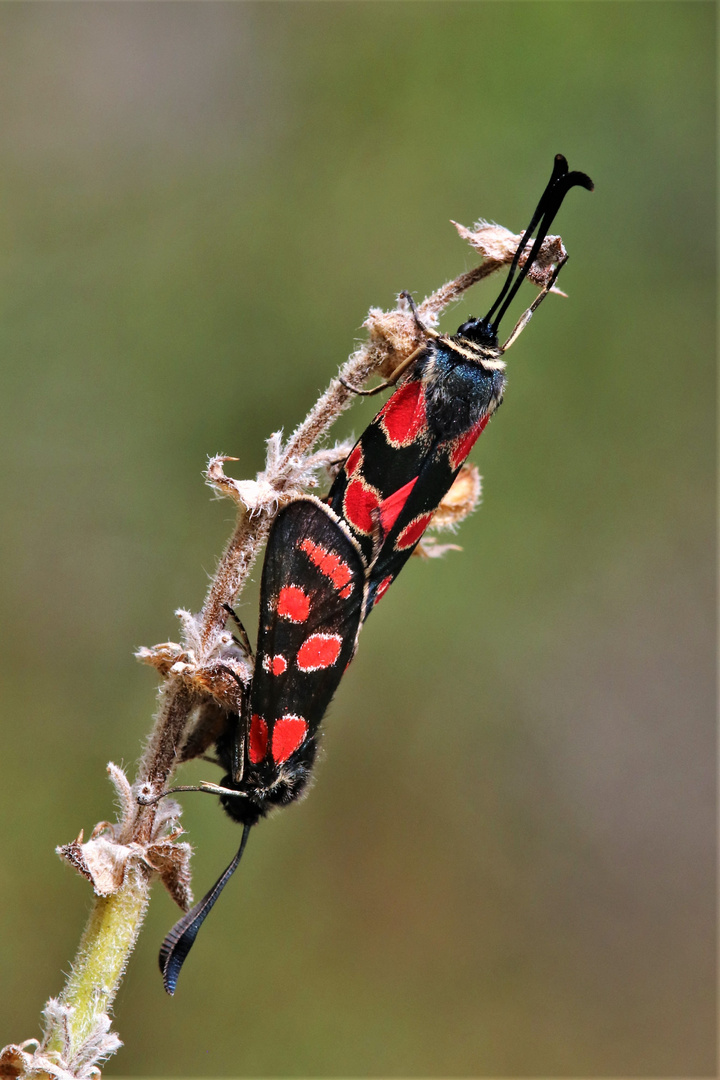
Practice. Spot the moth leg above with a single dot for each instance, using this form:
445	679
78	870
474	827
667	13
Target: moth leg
363	393
397	373
527	315
244	640
405	295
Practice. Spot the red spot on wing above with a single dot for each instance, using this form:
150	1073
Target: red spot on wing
412	532
354	460
319	651
360	502
293	604
288	733
257	748
275	665
329	564
390	508
461	447
382	588
403	417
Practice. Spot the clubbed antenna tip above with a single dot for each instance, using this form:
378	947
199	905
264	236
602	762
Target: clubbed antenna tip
560	182
179	941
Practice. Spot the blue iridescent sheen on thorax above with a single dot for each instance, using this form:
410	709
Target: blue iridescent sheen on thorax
458	391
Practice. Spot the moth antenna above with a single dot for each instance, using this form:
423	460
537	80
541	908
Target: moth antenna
560	182
244	640
235	676
559	163
179	941
426	330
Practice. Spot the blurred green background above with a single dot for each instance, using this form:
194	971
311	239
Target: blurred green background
507	863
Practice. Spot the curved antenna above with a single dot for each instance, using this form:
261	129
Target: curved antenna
179	941
560	182
560	168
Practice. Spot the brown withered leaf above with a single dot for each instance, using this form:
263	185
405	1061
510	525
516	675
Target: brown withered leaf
105	863
171	861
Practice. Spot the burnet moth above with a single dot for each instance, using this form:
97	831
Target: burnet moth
311	598
327	564
408	457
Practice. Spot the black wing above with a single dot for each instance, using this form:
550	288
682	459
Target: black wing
311	600
407	459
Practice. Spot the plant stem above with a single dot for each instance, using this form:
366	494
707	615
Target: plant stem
77	1035
105	947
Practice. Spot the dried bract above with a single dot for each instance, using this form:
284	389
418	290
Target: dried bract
110	853
460	501
499	245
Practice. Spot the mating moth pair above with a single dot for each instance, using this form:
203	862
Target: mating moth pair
328	563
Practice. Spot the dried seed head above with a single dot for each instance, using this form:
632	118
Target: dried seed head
393	336
499	245
462	498
110	854
429	548
70	1062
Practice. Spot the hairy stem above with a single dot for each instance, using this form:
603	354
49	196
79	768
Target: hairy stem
232	572
105	947
159	759
76	1037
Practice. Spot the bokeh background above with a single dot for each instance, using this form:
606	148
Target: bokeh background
507	864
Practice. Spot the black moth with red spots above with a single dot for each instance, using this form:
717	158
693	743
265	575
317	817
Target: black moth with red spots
327	564
408	457
311	598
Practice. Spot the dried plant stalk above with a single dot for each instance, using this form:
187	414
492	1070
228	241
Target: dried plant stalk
122	859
